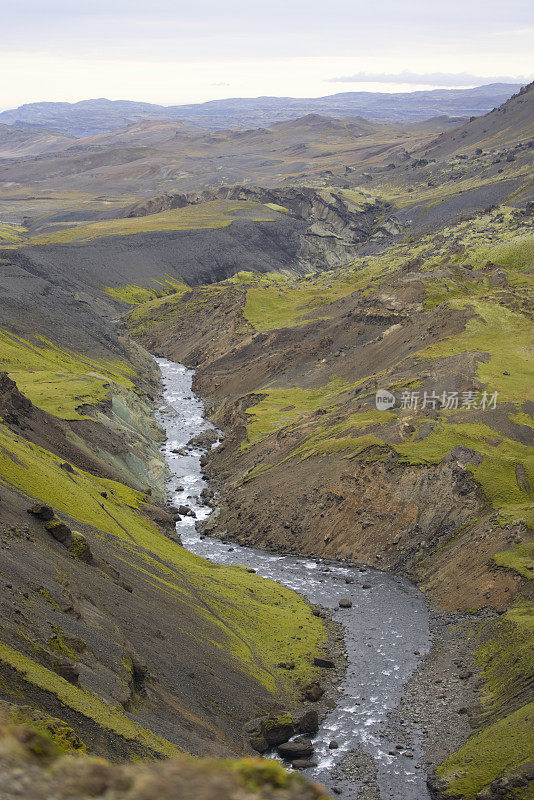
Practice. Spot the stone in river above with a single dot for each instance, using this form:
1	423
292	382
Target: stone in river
278	728
297	749
186	511
345	603
308	723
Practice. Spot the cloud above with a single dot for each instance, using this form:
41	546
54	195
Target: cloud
428	78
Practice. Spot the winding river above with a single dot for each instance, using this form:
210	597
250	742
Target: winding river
385	632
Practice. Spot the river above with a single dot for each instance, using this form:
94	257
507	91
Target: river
385	632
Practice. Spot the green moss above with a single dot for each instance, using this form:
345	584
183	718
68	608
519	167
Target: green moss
261	773
282	406
79	547
134	294
496	472
278	302
58	380
153	312
506	658
84	702
65	645
507	337
520	558
516	254
61	735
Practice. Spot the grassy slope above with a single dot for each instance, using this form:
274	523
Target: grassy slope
56	380
252	613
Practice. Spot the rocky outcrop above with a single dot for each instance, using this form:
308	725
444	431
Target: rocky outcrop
334	224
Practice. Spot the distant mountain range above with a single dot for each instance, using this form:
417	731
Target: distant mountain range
90	117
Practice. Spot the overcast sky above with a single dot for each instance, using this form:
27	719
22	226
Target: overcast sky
171	52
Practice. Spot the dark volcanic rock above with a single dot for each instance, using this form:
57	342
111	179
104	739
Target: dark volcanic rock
204	439
42	511
303	763
277	729
300	748
322	661
259	743
60	531
313	691
308	723
185	511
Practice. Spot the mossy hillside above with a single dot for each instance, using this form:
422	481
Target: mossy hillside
11	234
84	702
212	214
258	622
281	406
161	311
62	737
496	472
506	661
507	337
488	755
134	294
58	380
277	301
506	658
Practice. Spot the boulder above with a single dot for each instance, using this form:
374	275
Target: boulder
308	723
259	743
79	547
61	532
42	511
299	748
322	661
204	439
185	511
313	691
333	745
284	664
253	725
277	728
345	603
303	763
